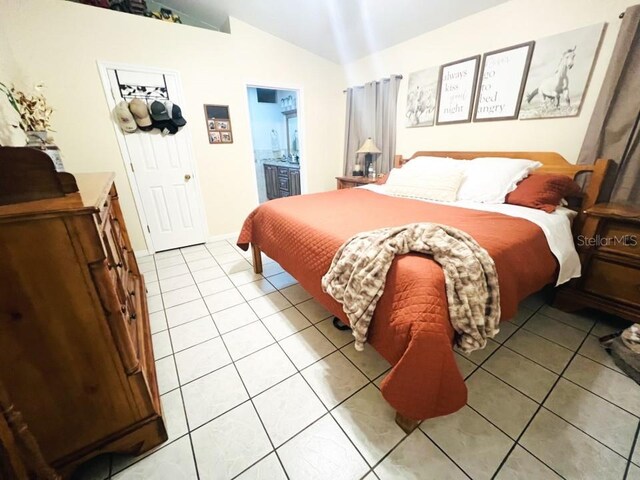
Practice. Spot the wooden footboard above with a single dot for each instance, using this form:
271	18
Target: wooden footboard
257	258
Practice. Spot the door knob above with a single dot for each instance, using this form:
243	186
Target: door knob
187	177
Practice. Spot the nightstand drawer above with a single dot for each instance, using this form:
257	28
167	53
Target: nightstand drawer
613	280
621	237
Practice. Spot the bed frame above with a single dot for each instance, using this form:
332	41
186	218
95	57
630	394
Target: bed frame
551	163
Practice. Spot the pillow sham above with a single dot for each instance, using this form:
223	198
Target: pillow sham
440	184
543	191
428	163
490	179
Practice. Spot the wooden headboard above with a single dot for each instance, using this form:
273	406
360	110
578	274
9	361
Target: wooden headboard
551	163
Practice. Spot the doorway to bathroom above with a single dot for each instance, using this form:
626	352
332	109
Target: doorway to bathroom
276	141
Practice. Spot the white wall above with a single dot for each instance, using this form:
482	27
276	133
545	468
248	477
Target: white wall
507	24
59	42
9	69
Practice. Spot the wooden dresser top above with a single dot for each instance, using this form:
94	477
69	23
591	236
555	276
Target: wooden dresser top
92	191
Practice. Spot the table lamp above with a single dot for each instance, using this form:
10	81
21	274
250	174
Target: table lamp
368	148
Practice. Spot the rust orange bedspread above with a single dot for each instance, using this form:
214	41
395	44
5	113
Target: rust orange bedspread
411	326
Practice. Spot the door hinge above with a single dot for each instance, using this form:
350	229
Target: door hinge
132	169
148	229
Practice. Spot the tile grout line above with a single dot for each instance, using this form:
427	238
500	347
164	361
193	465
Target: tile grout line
481	367
250	399
535	414
634	444
478	366
299	372
175	365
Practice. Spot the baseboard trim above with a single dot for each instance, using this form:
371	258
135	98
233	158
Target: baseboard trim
213	238
224	236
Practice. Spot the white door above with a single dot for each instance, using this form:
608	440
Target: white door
161	166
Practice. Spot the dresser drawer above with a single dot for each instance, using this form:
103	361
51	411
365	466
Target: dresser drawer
621	237
613	280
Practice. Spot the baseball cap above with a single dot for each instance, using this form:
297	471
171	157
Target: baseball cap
176	114
140	113
125	118
158	111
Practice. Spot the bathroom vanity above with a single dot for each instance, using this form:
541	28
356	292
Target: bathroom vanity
282	178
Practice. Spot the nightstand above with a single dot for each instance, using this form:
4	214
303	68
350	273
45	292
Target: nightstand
609	248
350	182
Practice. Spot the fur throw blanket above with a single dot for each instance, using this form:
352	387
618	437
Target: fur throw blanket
358	272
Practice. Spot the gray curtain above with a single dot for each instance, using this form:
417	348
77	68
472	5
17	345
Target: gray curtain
371	112
613	131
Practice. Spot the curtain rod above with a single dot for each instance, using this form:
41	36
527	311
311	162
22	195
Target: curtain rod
362	86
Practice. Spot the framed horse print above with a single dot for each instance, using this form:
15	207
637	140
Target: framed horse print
456	90
502	77
559	74
422	93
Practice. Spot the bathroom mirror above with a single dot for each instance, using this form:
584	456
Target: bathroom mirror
292	134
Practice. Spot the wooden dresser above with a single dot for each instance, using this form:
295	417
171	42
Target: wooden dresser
350	182
609	248
75	344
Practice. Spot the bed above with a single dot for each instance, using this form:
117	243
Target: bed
411	327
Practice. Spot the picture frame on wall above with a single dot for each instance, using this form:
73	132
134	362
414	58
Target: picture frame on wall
561	67
456	90
502	79
218	121
422	94
221	125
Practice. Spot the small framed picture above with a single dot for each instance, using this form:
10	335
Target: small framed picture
218	123
222	125
456	90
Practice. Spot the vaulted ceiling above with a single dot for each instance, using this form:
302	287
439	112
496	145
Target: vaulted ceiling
339	30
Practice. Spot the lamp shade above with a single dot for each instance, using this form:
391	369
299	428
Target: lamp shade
369	147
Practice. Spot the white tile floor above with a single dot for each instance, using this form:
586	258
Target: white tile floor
256	383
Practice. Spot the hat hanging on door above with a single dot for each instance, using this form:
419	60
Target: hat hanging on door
161	118
125	118
141	114
176	114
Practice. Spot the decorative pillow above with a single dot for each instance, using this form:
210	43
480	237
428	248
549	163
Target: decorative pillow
490	179
543	191
428	163
440	184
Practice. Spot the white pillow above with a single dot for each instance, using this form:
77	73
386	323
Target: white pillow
440	184
490	179
428	163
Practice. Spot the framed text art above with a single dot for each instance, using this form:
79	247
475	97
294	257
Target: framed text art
218	123
502	79
457	88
